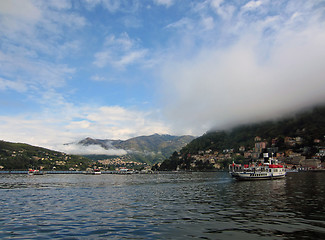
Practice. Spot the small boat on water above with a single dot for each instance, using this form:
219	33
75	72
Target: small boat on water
258	171
35	172
97	172
93	172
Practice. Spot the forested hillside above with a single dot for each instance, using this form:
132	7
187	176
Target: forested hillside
20	156
308	125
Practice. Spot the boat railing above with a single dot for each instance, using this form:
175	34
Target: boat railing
255	166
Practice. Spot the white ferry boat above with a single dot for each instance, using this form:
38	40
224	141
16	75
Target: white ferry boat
258	171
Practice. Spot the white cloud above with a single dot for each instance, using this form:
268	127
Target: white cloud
90	149
78	125
119	52
268	68
166	3
36	38
12	85
98	78
59	4
34	73
184	23
32	129
252	5
102	58
33	36
112	6
90	4
123	41
58	20
27	21
24	10
131	57
66	123
223	9
208	23
122	123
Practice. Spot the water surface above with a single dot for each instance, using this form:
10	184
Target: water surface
161	206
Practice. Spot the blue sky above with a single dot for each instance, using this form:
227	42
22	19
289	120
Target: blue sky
118	69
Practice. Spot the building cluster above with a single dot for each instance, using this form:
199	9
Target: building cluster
213	158
122	161
261	149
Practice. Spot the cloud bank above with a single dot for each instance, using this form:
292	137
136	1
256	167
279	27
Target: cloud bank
52	129
263	69
91	149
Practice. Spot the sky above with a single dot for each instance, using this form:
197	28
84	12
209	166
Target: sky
116	69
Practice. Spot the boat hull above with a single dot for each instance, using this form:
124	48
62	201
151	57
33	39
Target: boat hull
251	176
92	173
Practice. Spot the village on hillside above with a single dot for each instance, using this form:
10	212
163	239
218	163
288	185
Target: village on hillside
294	156
121	162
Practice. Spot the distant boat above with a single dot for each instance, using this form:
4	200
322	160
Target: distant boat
35	172
93	172
258	171
126	171
97	172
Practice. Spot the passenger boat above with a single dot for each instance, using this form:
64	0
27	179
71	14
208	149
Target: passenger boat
35	172
258	171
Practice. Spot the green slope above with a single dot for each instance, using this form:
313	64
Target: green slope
308	125
146	149
20	156
162	145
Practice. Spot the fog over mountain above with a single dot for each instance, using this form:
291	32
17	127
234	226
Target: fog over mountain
75	148
272	64
155	144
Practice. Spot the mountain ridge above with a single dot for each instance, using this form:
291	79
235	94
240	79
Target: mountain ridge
151	149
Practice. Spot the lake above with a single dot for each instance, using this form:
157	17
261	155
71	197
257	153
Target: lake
161	206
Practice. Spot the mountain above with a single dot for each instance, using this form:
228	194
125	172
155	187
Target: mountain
302	134
308	125
20	156
149	149
164	144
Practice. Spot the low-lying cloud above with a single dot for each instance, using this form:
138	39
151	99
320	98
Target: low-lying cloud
90	150
259	76
53	129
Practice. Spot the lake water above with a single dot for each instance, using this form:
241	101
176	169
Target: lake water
161	206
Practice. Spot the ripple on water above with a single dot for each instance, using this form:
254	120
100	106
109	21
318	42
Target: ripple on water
161	206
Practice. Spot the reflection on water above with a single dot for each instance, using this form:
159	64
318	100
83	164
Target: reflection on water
162	206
